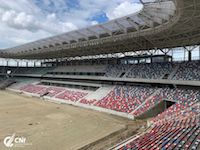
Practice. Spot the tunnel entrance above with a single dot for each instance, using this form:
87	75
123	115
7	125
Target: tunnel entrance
157	109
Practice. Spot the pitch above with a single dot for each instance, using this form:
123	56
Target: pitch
52	126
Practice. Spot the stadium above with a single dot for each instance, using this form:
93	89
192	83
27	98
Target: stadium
131	83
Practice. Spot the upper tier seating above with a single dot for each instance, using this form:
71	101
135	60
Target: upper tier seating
25	70
84	68
116	70
33	70
125	98
184	71
150	71
188	71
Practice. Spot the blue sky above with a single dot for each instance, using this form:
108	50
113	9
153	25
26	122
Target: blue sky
22	21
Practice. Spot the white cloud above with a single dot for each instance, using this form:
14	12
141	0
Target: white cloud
94	23
123	9
11	37
28	22
23	21
17	20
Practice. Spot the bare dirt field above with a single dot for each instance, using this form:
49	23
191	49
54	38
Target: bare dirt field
49	126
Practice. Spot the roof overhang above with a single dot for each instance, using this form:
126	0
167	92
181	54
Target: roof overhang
160	24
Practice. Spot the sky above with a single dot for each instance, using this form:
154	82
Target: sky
23	21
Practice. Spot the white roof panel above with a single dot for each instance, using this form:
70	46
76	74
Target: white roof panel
112	26
125	23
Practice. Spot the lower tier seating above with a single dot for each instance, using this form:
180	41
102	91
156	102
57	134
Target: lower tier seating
181	132
71	95
89	102
34	89
125	98
56	92
182	96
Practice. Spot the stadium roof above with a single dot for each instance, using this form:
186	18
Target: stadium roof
160	24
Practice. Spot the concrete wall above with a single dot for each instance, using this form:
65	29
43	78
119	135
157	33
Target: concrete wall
160	107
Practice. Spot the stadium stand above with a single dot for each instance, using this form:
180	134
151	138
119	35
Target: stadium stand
182	97
134	100
86	70
116	70
125	98
53	91
34	89
25	70
33	70
182	131
188	71
57	92
150	71
72	95
184	71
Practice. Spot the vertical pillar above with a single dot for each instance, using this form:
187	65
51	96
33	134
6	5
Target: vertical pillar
171	58
199	52
165	57
185	54
41	63
189	55
190	49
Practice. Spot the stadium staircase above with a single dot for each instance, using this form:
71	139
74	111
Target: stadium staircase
100	93
174	72
127	72
149	98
